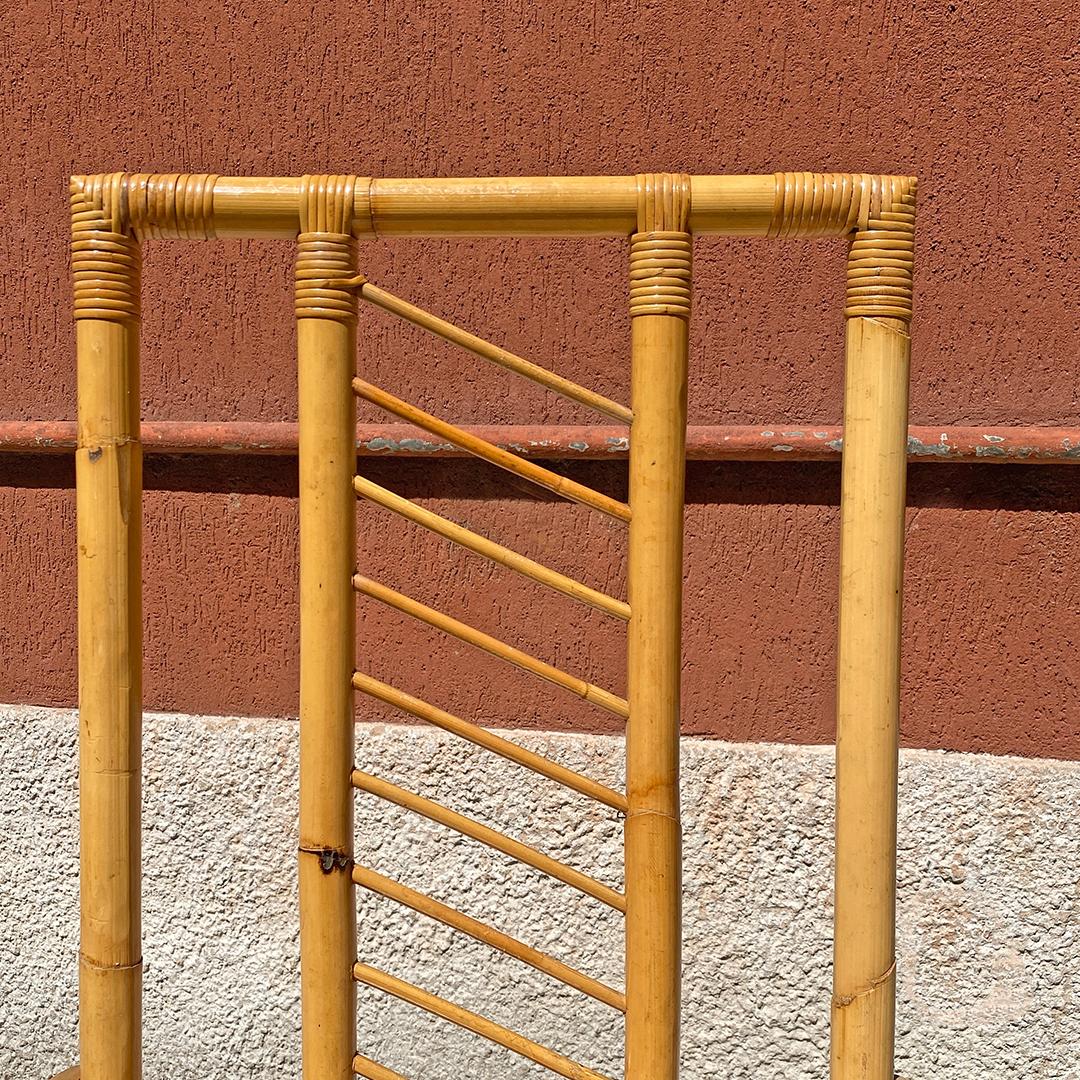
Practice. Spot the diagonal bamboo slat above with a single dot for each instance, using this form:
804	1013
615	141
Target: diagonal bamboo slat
527	470
425	905
387	301
392	598
458	534
372	1070
446	1010
441	815
489	741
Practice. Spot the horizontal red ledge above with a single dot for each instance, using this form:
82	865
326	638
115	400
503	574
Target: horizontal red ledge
704	442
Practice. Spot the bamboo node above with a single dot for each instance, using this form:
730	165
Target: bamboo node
882	255
177	206
106	261
660	273
134	965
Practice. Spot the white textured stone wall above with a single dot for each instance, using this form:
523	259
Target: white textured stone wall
989	906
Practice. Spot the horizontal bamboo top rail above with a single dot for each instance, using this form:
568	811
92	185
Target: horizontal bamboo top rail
193	206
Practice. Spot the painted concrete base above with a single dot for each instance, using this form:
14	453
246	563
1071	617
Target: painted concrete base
989	946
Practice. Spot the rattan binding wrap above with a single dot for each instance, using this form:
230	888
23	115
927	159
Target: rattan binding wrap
326	250
878	210
882	256
106	262
661	251
176	206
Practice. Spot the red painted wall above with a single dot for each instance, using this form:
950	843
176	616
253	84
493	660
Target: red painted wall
979	102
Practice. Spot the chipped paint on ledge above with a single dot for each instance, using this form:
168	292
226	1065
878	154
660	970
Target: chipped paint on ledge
704	442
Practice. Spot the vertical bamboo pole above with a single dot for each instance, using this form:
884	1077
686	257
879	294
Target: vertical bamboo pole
108	472
660	261
868	680
326	347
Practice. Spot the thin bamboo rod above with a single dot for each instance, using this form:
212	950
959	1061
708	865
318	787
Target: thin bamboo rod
326	349
528	470
489	741
108	472
372	1070
660	271
433	811
868	670
481	932
395	305
448	625
481	545
470	1021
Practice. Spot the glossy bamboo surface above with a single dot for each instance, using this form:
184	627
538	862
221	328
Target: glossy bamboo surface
872	501
108	479
448	625
330	214
660	273
326	358
449	530
527	470
489	741
868	690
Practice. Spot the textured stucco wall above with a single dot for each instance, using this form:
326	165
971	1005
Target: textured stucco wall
978	99
989	908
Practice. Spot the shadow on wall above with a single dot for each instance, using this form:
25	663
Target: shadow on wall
954	486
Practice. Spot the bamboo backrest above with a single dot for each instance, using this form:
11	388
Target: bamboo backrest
328	217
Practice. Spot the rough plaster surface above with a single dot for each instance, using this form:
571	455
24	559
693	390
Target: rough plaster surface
992	593
979	99
989	917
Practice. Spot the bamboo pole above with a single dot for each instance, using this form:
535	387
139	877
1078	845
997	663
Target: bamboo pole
494	206
660	262
440	814
492	645
487	935
489	741
108	471
326	346
481	545
479	1025
868	678
489	452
